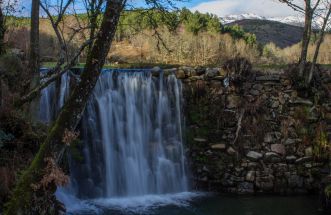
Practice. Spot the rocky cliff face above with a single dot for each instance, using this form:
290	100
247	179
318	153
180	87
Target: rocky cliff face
257	133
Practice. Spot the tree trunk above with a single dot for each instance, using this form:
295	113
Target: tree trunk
305	38
2	32
318	46
21	201
34	57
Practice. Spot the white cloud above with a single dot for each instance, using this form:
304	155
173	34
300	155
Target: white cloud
268	8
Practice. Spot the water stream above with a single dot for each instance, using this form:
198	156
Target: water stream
131	134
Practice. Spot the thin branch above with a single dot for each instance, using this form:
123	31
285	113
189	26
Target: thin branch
56	73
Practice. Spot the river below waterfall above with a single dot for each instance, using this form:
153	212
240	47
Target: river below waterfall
199	204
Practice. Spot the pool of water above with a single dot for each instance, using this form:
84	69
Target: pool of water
199	204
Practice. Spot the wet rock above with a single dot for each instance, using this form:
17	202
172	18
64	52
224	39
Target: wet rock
211	73
219	146
278	148
254	92
180	74
250	176
290	141
231	151
245	187
308	165
195	78
219	78
291	158
303	160
272	157
236	178
254	156
200	140
156	71
301	101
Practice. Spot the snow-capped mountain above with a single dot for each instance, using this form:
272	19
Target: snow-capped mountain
232	18
291	20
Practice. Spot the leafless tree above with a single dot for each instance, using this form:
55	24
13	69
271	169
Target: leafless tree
311	9
324	14
34	55
56	15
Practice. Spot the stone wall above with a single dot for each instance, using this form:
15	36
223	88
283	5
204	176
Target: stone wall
257	133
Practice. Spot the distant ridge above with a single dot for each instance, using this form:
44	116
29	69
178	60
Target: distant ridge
266	31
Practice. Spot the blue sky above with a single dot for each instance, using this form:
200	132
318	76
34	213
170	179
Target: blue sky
268	8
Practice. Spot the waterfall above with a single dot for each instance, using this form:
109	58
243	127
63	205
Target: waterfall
53	97
131	134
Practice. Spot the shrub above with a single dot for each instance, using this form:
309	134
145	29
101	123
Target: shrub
12	71
238	67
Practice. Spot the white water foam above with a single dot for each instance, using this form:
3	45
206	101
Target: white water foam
136	205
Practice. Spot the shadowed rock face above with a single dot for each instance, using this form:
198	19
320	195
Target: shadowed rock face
259	134
282	35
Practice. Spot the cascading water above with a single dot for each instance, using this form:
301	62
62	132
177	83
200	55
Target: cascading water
131	137
53	97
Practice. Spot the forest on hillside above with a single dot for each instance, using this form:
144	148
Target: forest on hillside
179	37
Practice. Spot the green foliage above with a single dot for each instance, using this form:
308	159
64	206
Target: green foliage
13	21
140	19
250	38
12	70
267	52
237	32
197	22
321	143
